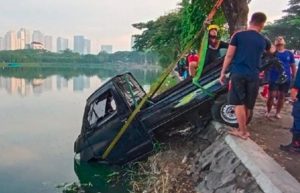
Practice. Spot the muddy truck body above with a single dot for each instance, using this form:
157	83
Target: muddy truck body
109	107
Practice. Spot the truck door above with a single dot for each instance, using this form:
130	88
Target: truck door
102	122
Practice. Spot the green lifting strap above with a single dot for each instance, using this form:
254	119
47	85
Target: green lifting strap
202	55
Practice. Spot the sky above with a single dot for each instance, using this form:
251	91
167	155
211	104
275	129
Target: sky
101	21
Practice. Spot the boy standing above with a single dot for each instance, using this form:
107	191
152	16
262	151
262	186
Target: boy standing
279	90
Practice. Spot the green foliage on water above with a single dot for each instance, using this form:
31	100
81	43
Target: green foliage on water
287	26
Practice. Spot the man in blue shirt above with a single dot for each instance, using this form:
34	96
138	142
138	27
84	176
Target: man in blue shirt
244	54
294	146
279	90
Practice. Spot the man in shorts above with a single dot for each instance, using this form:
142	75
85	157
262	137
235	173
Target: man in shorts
279	90
244	54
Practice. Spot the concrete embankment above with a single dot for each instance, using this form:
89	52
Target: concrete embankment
231	164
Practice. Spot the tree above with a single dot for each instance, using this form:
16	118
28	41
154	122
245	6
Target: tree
236	13
193	15
170	34
161	36
287	26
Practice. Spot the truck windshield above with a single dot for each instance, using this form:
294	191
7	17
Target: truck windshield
130	89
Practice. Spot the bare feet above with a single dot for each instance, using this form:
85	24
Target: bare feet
237	133
237	129
277	116
248	134
268	116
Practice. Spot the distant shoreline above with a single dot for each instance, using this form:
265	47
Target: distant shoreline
82	65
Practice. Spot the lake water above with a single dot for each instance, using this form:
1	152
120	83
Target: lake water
40	117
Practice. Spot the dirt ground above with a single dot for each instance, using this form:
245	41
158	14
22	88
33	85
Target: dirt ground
170	170
269	134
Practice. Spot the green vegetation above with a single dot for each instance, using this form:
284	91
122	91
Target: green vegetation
170	34
288	26
43	56
171	81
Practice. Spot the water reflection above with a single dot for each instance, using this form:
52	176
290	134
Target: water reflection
25	81
40	117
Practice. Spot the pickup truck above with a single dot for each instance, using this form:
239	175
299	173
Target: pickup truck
109	107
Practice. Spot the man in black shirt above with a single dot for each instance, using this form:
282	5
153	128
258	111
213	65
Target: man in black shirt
244	57
214	45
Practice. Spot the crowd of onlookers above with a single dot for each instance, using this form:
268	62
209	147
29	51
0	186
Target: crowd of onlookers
243	58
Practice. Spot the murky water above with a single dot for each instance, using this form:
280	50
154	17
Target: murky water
40	117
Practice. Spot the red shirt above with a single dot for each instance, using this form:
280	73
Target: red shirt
193	58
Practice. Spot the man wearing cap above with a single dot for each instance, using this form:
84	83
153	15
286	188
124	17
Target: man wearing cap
213	50
279	90
214	45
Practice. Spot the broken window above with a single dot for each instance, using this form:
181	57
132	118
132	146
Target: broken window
131	90
101	108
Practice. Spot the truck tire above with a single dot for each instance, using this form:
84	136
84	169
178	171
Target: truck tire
223	112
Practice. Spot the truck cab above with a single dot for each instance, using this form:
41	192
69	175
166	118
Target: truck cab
106	111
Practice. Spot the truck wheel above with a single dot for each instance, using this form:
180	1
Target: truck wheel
224	113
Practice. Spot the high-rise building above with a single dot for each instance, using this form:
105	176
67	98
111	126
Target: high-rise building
10	40
21	39
38	36
62	44
79	44
27	37
48	43
87	46
106	48
1	43
133	38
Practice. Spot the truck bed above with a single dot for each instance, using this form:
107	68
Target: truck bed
165	105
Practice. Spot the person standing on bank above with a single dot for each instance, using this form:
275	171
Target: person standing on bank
279	90
193	60
244	54
294	146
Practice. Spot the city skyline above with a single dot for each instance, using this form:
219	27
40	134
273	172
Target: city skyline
98	19
25	38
